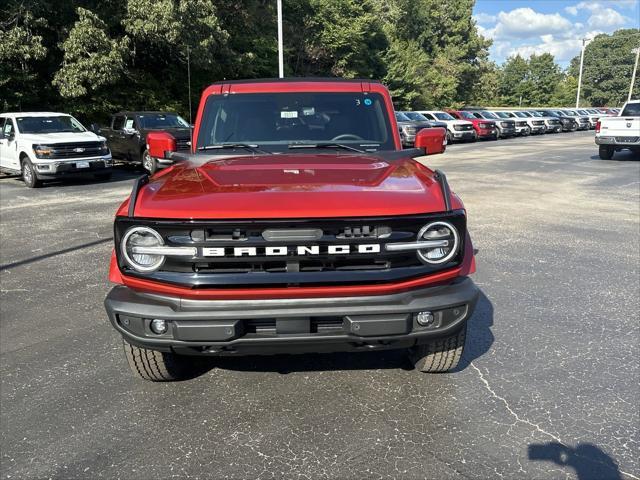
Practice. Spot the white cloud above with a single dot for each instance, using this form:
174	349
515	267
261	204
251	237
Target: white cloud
606	18
525	22
484	18
563	49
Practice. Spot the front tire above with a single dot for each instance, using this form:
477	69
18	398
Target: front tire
439	355
29	174
606	152
149	163
157	366
449	138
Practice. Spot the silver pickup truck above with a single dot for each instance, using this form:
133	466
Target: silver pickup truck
618	133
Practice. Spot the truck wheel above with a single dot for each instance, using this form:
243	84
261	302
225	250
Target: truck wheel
157	366
149	163
606	152
439	355
29	174
449	138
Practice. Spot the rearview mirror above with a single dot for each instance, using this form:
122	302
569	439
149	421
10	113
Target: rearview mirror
431	140
161	144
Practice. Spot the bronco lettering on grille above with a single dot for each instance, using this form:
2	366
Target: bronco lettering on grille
301	250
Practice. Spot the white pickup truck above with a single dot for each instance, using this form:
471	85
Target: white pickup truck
45	146
617	133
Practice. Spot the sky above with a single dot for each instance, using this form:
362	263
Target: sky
554	26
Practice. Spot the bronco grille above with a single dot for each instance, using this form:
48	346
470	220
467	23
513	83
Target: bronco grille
309	252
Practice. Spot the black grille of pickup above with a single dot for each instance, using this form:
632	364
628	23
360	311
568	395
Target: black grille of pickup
304	262
553	121
183	144
538	123
76	150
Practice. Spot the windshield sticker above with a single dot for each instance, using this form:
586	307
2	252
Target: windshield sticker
368	102
288	114
308	111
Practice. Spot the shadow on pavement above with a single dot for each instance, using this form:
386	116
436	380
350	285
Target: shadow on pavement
479	334
623	156
588	461
37	258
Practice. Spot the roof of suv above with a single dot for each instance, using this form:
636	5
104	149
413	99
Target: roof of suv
297	79
36	114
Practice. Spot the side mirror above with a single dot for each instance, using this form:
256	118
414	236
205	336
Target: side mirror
161	144
431	140
95	128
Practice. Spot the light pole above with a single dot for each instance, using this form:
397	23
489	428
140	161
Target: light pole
635	69
280	55
584	41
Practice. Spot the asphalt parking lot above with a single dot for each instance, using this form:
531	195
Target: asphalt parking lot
548	388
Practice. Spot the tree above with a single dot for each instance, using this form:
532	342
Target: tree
513	81
543	77
565	91
608	65
21	49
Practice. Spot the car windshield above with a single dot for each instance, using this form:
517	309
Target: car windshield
418	117
275	121
443	116
467	115
402	117
53	124
571	113
631	110
583	112
159	121
522	114
487	114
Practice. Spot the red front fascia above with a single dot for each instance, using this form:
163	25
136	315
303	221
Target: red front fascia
468	267
298	86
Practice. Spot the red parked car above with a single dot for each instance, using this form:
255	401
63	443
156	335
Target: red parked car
296	224
484	128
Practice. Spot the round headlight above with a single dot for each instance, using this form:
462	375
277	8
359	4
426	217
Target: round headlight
439	231
142	237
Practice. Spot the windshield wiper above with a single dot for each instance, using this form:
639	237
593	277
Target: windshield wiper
223	146
325	145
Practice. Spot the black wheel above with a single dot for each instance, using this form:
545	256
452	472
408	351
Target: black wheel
439	355
103	176
606	152
29	174
527	132
149	163
157	366
449	138
498	134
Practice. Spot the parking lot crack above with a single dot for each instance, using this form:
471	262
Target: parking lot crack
518	419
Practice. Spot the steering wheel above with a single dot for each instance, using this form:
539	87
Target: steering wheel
347	136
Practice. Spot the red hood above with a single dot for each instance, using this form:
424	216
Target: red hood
291	186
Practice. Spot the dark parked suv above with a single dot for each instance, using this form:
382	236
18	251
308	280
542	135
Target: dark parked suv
127	136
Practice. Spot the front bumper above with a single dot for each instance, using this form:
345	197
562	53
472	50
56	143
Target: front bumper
71	167
554	128
464	135
507	132
241	327
487	132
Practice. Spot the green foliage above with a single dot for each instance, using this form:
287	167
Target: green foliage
21	50
608	65
132	54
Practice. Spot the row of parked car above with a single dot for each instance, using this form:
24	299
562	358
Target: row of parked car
476	123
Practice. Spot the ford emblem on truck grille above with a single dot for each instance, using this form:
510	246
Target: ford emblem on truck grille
78	150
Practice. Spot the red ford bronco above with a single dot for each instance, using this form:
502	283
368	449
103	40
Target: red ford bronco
296	224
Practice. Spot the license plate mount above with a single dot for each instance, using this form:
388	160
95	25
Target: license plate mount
82	164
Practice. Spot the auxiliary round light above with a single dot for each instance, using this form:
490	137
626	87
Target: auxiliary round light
158	326
142	237
439	231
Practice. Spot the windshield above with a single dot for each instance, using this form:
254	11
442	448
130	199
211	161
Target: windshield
523	114
486	114
583	112
57	124
631	110
503	114
571	113
467	115
274	121
402	117
418	117
443	116
159	121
